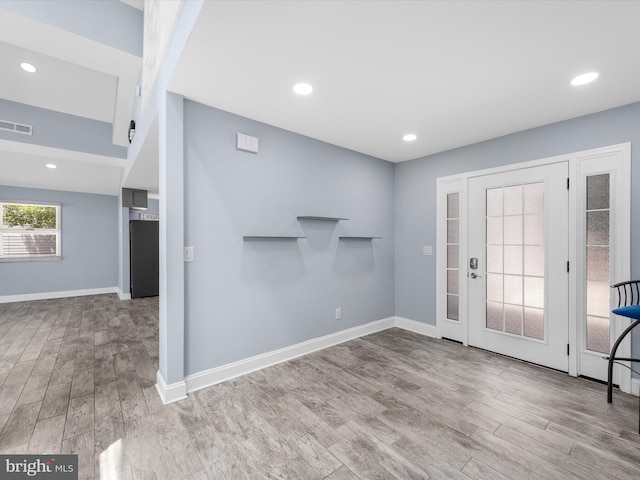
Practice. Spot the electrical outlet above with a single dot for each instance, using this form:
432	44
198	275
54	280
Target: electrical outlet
338	313
427	250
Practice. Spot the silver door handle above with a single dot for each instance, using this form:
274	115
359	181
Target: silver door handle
474	275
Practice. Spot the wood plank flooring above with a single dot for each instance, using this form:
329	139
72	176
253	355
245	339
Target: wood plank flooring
77	376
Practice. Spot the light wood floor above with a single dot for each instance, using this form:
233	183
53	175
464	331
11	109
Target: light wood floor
77	376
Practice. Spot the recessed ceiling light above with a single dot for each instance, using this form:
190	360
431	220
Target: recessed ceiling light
584	79
302	88
27	67
409	137
51	165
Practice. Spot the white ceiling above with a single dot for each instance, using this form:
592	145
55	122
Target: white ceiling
453	72
58	85
76	76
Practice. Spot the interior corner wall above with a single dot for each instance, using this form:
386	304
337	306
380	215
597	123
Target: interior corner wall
415	194
244	298
89	242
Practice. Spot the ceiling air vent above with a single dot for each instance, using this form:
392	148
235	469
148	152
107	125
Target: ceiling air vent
15	127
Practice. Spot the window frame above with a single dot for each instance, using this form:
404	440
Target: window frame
41	231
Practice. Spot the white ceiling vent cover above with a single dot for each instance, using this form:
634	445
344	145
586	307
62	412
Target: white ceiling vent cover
15	127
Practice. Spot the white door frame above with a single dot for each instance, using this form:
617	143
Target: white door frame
621	263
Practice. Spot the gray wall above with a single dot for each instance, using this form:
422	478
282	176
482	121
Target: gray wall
89	245
249	297
60	130
415	194
110	22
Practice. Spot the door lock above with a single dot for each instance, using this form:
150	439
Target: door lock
473	263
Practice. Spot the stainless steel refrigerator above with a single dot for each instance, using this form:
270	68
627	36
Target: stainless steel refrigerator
144	258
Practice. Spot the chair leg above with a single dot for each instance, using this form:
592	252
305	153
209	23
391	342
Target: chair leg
612	357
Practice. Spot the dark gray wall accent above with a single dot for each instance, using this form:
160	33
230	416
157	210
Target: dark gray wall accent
109	22
245	298
60	130
415	194
89	245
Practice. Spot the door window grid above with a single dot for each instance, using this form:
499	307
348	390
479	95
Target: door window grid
453	256
597	234
515	259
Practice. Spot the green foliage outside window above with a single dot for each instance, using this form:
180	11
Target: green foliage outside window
29	216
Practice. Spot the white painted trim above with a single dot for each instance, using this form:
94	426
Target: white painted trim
27	297
220	374
566	157
635	387
417	327
122	295
622	247
170	393
52	152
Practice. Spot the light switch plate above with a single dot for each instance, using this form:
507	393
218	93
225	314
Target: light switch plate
247	143
188	254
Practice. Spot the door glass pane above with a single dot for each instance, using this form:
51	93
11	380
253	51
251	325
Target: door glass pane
453	231
598	228
494	287
598	299
534	292
534	261
452	282
494	258
534	323
598	307
453	302
598	192
513	260
453	256
513	230
515	302
513	319
513	289
494	202
494	231
513	200
598	334
533	229
598	263
534	198
494	316
453	205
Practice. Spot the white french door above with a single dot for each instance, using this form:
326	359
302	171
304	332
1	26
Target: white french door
516	270
522	225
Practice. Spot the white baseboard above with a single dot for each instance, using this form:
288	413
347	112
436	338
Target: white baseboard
417	327
123	296
232	370
170	393
27	297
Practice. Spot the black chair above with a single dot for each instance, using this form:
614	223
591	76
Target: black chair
628	306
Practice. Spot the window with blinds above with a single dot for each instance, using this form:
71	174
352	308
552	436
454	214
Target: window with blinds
29	231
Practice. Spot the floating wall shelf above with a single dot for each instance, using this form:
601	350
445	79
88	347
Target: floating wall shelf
271	237
325	219
357	238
